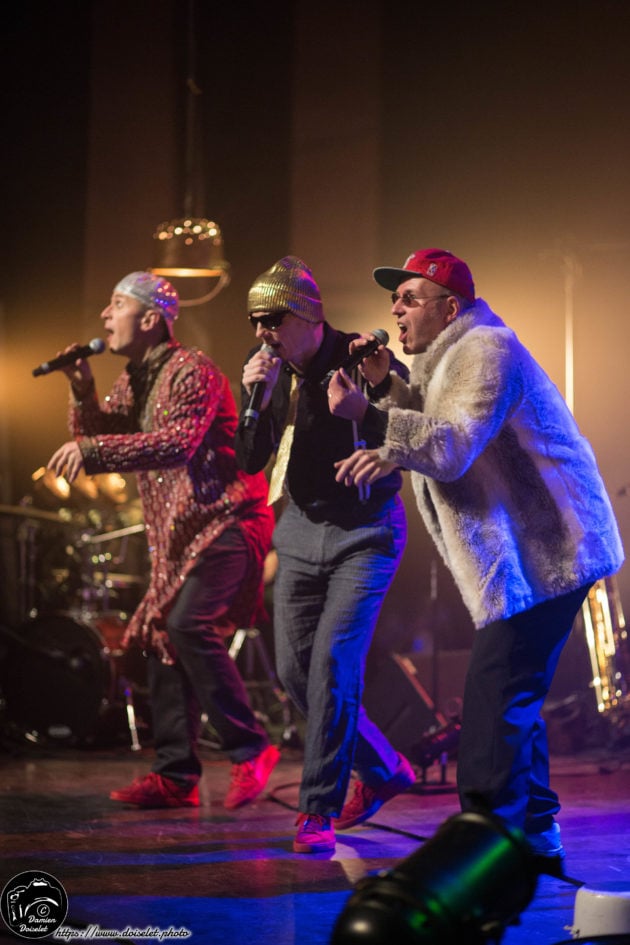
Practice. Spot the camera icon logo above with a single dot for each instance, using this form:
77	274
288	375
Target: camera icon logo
33	904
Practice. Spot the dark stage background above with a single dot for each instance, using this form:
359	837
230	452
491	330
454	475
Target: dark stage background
346	134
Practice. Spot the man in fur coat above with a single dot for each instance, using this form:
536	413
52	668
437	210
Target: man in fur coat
512	496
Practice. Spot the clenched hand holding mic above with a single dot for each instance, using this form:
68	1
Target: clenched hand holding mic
74	354
68	460
360	349
259	377
369	354
346	399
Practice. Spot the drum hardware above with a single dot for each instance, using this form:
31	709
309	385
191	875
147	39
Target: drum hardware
131	719
111	536
98	580
31	523
70	678
115	580
36	515
252	637
26	535
249	642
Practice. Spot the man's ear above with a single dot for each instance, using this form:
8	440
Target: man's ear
454	308
150	319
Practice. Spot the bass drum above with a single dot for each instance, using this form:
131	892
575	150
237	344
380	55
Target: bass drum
68	677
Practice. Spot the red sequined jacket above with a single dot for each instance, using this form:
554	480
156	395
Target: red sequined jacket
175	427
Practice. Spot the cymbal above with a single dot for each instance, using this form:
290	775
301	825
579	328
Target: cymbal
85	485
46	481
113	487
27	511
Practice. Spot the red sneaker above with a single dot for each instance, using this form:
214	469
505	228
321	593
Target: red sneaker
153	790
365	800
250	777
315	834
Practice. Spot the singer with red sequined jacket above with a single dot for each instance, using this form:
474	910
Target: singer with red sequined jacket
179	442
170	418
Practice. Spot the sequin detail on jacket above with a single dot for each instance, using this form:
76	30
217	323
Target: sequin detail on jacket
178	439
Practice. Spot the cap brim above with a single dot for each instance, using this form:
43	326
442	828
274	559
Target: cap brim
391	278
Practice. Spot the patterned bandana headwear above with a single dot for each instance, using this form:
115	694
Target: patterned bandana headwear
152	291
289	284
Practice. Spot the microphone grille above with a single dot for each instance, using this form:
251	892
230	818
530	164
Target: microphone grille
97	345
381	336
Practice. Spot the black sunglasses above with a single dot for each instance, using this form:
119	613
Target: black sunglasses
269	322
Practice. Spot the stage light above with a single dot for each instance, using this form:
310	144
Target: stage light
462	887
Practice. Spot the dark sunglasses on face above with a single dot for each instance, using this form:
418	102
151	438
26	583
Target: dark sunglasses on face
269	322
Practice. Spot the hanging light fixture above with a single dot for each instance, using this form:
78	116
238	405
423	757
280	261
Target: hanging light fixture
191	247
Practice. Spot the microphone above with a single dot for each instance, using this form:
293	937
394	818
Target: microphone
359	354
96	346
252	411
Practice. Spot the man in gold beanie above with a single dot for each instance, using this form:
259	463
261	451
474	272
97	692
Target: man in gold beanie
337	552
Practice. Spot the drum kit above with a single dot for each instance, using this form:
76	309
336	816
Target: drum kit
74	566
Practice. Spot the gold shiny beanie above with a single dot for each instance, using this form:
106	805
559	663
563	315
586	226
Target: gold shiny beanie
289	284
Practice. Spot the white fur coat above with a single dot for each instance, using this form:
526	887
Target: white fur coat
507	486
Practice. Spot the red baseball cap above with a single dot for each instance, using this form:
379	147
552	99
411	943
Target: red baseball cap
437	265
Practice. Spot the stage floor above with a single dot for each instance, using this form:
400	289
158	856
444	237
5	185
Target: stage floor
233	877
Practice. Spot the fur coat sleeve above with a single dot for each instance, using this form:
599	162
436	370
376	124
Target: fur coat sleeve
507	486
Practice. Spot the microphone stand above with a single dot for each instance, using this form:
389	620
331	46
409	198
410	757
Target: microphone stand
360	444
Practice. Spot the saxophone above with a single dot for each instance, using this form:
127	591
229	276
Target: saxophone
608	647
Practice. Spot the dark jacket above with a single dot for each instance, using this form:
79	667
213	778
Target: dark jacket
320	439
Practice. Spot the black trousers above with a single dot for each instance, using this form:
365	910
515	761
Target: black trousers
503	757
204	677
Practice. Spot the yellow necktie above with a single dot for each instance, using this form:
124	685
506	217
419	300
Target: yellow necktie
279	471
